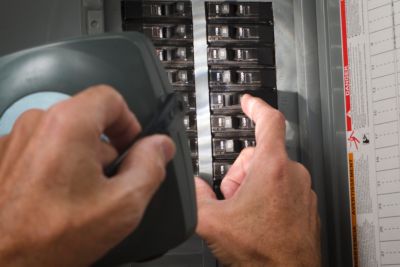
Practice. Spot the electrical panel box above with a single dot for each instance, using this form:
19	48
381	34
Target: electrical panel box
240	59
288	52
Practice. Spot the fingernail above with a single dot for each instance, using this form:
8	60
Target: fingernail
168	148
245	97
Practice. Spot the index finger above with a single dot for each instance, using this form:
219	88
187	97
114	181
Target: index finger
270	123
95	111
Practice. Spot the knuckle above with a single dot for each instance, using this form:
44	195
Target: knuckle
108	92
303	174
272	118
28	117
57	114
277	117
300	168
281	161
32	113
247	152
314	197
103	88
59	118
279	165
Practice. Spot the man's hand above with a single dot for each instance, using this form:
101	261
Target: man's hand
56	206
269	217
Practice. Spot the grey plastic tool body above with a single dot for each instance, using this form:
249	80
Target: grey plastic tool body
126	62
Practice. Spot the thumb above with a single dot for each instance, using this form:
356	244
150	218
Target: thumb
204	191
207	205
144	169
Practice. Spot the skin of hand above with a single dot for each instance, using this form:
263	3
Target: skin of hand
56	206
269	216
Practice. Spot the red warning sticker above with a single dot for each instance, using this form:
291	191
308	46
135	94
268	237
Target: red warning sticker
346	71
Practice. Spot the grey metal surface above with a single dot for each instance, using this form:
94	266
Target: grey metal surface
298	80
202	90
310	33
112	16
310	124
92	17
334	133
285	50
25	24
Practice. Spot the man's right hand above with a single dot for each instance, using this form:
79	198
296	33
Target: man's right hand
269	217
57	208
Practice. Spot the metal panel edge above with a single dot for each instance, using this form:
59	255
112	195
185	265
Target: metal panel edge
309	107
286	72
334	133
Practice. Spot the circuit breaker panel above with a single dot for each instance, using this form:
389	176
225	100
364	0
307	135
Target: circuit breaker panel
240	59
169	25
288	52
